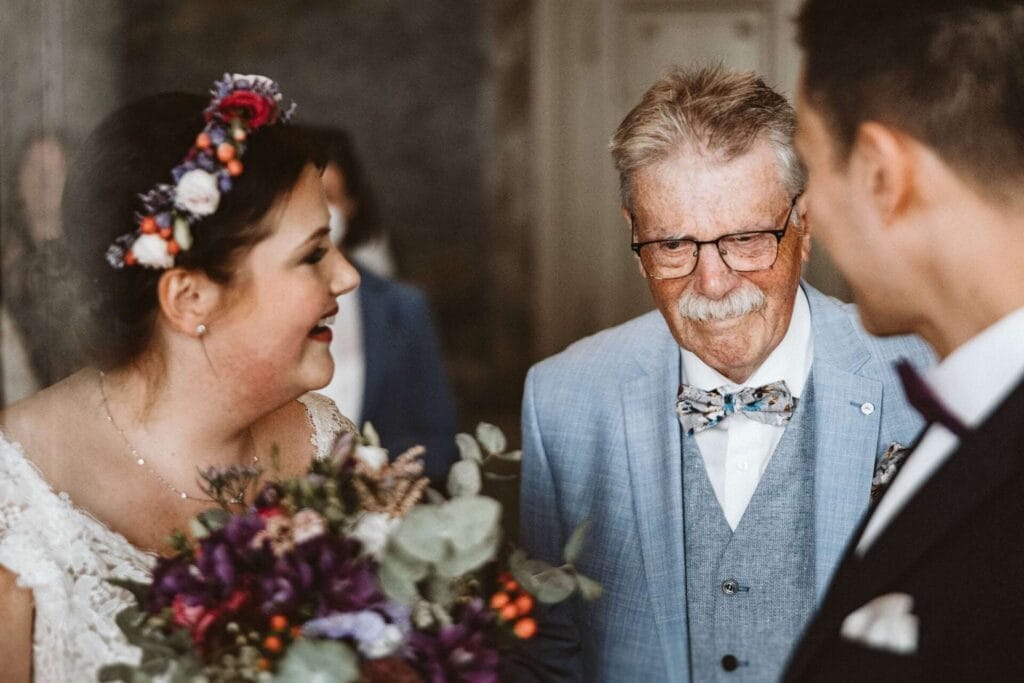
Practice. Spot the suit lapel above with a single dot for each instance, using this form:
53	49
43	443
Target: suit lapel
654	460
847	423
984	461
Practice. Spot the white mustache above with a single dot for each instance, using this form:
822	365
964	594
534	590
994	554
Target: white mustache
741	301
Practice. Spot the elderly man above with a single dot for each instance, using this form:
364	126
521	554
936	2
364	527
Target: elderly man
723	447
912	126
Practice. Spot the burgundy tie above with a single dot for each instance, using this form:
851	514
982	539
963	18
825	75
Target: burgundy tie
926	402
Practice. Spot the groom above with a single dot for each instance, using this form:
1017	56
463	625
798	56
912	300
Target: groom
723	447
912	127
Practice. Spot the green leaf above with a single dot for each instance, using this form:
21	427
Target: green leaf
116	672
214	519
589	589
469	520
469	449
318	661
397	585
464	478
370	436
138	589
463	561
490	437
421	534
553	585
574	546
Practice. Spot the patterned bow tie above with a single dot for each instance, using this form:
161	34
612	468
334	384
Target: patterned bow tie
698	410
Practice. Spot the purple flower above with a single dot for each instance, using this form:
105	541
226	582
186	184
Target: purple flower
463	651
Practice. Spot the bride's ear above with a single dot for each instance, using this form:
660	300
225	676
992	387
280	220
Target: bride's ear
187	299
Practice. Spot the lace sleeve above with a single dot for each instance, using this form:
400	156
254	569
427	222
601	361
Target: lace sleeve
326	420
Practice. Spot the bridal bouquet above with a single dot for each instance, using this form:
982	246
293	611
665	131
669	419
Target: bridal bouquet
356	571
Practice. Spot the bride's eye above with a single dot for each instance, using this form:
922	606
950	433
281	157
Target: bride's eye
315	256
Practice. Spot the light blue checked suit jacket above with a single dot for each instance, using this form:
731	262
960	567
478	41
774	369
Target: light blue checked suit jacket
601	442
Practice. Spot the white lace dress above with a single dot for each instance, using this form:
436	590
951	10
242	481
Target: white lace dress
64	555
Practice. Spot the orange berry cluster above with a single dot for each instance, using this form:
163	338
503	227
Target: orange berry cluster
513	605
274	644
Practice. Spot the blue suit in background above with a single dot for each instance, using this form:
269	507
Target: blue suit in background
406	393
602	442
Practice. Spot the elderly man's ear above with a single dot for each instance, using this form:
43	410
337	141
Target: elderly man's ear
804	222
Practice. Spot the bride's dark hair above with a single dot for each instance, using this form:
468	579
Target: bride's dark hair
129	153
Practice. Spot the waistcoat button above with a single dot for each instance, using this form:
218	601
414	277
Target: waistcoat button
730	586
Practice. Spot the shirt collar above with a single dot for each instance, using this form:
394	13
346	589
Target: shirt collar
789	361
974	379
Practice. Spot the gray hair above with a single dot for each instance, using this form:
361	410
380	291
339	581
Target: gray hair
706	110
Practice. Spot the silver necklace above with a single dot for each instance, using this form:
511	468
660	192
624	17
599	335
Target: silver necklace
139	460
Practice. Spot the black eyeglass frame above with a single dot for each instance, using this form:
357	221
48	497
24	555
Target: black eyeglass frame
779	234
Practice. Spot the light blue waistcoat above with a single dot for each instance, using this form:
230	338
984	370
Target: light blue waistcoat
750	591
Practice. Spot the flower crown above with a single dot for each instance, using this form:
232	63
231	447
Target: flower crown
241	104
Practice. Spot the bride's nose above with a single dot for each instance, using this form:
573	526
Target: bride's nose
344	276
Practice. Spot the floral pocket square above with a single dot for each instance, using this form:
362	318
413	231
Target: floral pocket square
885	623
888	465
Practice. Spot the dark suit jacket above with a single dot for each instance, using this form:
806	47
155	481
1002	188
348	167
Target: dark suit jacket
957	548
406	394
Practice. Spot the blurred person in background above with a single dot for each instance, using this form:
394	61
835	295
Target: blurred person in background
388	365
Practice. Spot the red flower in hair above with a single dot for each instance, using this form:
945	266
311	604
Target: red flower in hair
258	109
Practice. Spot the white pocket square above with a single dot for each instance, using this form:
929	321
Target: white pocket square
885	623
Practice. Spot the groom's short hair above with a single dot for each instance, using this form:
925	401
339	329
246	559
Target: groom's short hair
950	73
709	111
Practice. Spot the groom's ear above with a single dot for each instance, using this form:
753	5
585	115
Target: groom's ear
187	298
883	161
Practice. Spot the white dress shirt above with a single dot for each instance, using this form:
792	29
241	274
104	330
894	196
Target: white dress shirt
349	380
971	382
737	450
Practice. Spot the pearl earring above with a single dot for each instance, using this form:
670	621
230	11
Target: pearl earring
200	329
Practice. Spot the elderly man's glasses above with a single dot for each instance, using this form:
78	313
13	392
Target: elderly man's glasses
743	252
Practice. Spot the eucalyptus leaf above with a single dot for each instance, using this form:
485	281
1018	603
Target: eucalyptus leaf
463	561
401	564
464	479
116	672
469	449
214	519
553	585
197	529
434	497
441	591
574	546
490	437
139	590
469	520
397	584
370	435
421	533
589	589
318	661
511	456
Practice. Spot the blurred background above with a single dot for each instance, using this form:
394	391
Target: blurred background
482	127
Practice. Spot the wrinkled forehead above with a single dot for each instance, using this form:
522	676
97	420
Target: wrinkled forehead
703	193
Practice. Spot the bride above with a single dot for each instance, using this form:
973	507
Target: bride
208	280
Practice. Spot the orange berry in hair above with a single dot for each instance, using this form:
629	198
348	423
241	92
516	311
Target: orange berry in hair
296	632
279	622
148	225
499	600
525	628
203	140
524	603
511	586
264	664
166	233
235	167
129	259
509	612
173	248
272	644
225	152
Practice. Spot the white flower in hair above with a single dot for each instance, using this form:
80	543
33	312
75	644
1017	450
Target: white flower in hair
151	251
197	193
